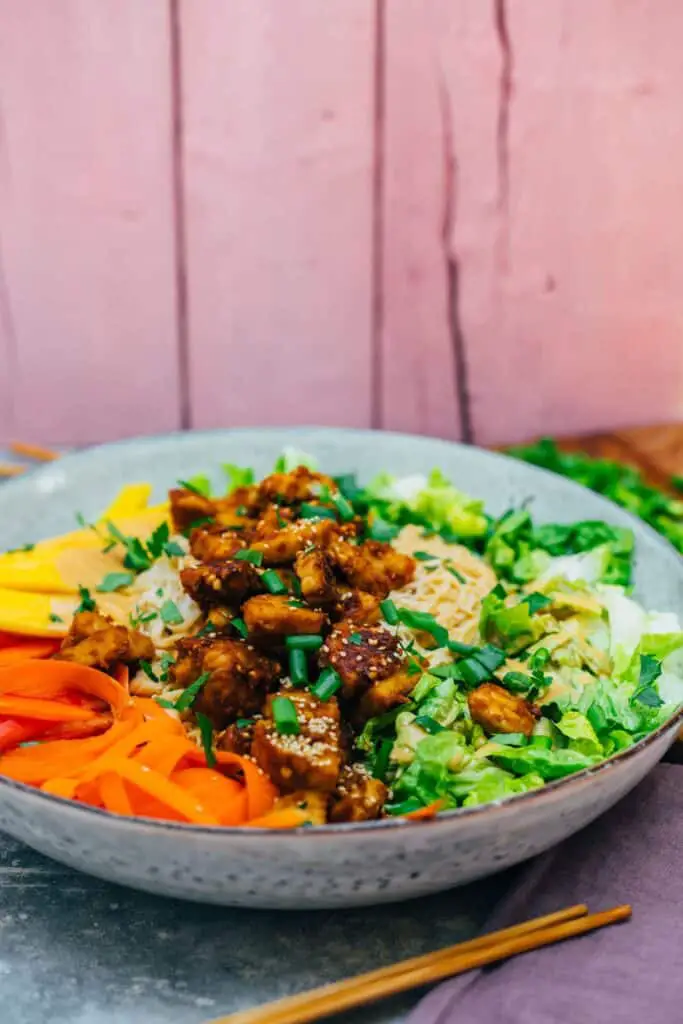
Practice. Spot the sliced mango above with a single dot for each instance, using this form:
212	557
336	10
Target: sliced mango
62	564
50	614
131	499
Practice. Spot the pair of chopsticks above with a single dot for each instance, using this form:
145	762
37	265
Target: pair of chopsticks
425	970
35	452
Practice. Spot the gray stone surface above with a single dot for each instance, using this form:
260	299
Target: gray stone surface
74	950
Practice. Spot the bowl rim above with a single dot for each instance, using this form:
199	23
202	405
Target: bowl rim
512	803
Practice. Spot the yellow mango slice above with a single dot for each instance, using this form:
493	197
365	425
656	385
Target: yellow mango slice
62	564
34	614
131	499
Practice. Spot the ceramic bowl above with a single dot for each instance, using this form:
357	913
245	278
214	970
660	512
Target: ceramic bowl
336	865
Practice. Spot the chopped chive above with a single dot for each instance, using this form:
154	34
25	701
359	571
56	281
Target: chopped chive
173	549
241	627
166	661
304	642
459	648
329	681
206	732
344	507
424	556
244	723
249	555
285	717
272	582
309	511
170	614
536	601
423	622
187	697
298	667
429	724
87	604
454	572
55	618
517	682
380	529
382	759
149	671
389	611
114	581
163	703
356	638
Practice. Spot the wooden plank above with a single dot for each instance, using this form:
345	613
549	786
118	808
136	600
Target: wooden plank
585	329
419	341
86	219
278	143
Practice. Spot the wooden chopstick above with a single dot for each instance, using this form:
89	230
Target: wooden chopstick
33	451
425	970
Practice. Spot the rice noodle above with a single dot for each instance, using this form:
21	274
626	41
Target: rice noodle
455	605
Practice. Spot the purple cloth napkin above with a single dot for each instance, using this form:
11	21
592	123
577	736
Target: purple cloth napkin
631	973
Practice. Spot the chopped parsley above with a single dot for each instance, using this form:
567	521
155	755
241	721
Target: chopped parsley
114	581
188	696
87	603
170	613
206	732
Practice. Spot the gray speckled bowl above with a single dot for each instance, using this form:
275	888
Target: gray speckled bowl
337	865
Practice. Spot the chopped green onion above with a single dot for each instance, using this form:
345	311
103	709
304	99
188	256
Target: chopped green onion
241	627
459	648
87	604
16	551
55	618
196	523
382	759
405	807
296	586
539	659
187	697
285	717
429	724
344	507
170	614
454	572
272	582
303	642
423	622
207	629
477	668
329	681
517	682
511	739
309	511
444	671
424	556
249	555
244	723
147	617
298	667
206	732
380	529
114	581
163	703
536	601
166	661
149	671
389	611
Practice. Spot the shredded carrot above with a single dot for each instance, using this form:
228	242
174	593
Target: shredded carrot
151	783
45	710
288	817
51	679
261	793
425	812
122	675
33	648
114	795
224	798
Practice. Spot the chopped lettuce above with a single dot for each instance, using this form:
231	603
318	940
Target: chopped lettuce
431	501
510	626
549	764
580	734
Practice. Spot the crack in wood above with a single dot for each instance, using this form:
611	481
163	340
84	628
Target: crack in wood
179	228
451	262
505	91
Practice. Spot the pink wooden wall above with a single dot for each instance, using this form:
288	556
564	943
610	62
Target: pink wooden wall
458	217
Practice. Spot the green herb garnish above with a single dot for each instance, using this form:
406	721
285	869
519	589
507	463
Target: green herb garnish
328	682
149	671
272	582
188	696
424	556
114	581
170	613
206	733
249	555
241	627
87	604
389	611
298	667
55	618
423	622
304	642
285	717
